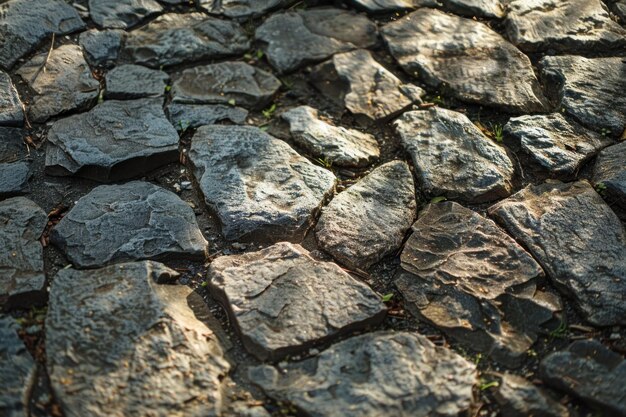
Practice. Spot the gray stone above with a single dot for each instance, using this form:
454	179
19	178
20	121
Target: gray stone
22	279
481	8
388	6
363	86
242	8
337	145
132	221
258	186
578	240
101	47
11	113
453	158
370	219
322	32
474	63
589	89
382	373
619	8
122	14
115	140
465	276
14	169
610	171
135	81
119	344
65	85
554	143
173	39
518	397
590	371
282	301
225	83
24	24
184	116
563	25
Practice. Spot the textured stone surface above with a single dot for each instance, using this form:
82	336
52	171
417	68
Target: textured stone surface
480	8
578	240
11	113
14	168
26	23
563	25
242	8
610	171
66	84
452	157
184	116
256	184
518	397
134	81
21	259
120	344
122	14
283	301
554	143
173	39
225	83
475	63
322	32
101	47
370	219
113	141
363	86
132	221
382	373
387	6
590	371
336	144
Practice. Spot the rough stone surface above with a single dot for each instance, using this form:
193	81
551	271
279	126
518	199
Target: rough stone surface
225	83
563	25
22	278
256	184
453	158
242	8
387	6
14	169
11	113
132	221
322	32
66	84
578	240
370	219
135	81
471	8
120	344
336	144
26	23
122	14
173	39
115	140
518	397
475	63
382	373
554	143
363	86
590	371
101	47
185	116
610	171
283	301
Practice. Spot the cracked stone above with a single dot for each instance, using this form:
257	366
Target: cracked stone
101	47
474	63
578	240
122	14
283	301
11	113
382	373
256	184
14	169
135	81
132	221
185	116
610	171
242	8
453	158
518	397
322	32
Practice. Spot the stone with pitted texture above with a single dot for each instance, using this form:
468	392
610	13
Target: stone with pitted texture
11	113
14	167
101	47
122	14
134	81
609	176
242	8
185	116
519	397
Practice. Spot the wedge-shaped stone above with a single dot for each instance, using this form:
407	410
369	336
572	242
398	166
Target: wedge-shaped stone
383	373
185	116
135	81
120	344
122	14
101	47
609	176
242	8
578	240
14	167
11	113
518	397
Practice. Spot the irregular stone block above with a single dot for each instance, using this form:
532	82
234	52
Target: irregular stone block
242	8
185	116
122	14
610	171
11	113
101	47
14	169
134	81
388	6
518	397
493	9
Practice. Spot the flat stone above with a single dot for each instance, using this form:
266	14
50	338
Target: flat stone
322	32
610	171
493	9
122	14
242	8
563	25
101	47
115	140
282	301
465	276
132	221
553	143
578	240
518	397
453	158
185	116
589	89
135	81
474	63
173	39
380	373
24	24
363	86
11	113
370	219
591	372
258	186
118	344
22	279
388	6
66	84
14	168
336	144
